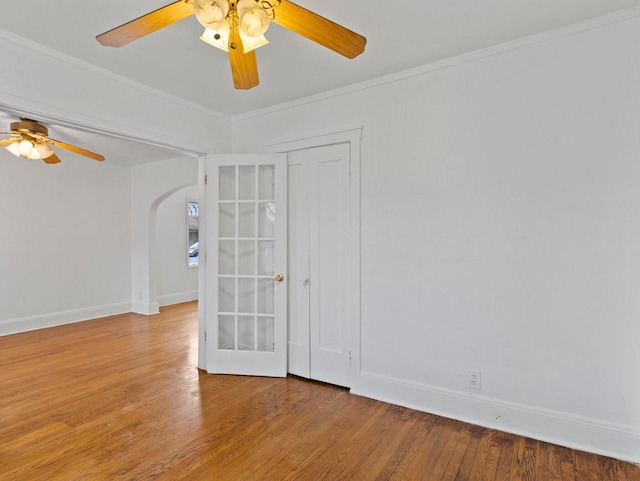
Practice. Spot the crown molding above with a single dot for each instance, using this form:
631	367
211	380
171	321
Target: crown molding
560	32
94	69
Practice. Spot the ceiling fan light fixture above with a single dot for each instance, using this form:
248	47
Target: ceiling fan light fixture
211	14
242	18
44	151
217	38
33	155
30	139
13	148
29	149
25	147
252	43
254	20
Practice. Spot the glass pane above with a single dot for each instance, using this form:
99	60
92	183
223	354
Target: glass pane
193	221
266	218
227	257
265	258
226	332
266	188
247	182
246	210
246	295
227	221
246	333
265	296
265	334
226	294
247	214
227	183
247	259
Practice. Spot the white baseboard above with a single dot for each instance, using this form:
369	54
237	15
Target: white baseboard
32	323
146	308
564	429
177	298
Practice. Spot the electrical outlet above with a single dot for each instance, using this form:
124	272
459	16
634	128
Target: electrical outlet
475	379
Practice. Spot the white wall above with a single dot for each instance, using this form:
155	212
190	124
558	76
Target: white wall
77	93
500	199
176	282
78	238
65	241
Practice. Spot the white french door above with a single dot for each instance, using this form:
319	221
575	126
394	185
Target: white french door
246	265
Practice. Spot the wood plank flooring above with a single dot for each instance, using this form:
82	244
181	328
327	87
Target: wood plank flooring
120	398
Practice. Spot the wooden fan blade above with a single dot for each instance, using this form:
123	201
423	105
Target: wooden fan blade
319	29
149	23
76	150
244	66
52	159
8	141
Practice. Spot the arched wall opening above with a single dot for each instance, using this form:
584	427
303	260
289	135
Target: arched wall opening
152	184
175	280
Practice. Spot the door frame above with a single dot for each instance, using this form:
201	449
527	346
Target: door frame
354	138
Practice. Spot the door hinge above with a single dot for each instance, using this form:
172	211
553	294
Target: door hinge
205	336
205	257
349	357
206	179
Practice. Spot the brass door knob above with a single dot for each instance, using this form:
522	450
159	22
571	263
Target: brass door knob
279	278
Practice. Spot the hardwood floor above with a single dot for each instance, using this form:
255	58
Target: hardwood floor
120	398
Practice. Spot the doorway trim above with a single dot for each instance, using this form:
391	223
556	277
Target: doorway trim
354	138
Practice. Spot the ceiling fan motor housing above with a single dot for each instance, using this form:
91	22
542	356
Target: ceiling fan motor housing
29	126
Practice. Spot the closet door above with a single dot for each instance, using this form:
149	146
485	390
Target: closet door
319	204
298	262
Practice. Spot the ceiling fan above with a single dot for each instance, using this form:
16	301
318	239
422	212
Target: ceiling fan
30	139
238	27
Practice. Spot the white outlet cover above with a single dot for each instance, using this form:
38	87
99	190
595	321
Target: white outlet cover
475	379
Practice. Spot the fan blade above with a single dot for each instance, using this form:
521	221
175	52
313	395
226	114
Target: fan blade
319	29
244	66
76	150
8	141
149	23
52	159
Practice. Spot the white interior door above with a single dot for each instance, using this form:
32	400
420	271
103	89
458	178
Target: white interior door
246	249
299	268
319	264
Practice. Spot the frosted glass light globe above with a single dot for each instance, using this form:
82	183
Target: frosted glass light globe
13	148
25	147
254	20
44	151
211	13
34	155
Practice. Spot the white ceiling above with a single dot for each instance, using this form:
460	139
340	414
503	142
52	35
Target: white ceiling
401	34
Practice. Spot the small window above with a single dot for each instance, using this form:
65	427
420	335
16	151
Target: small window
193	224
